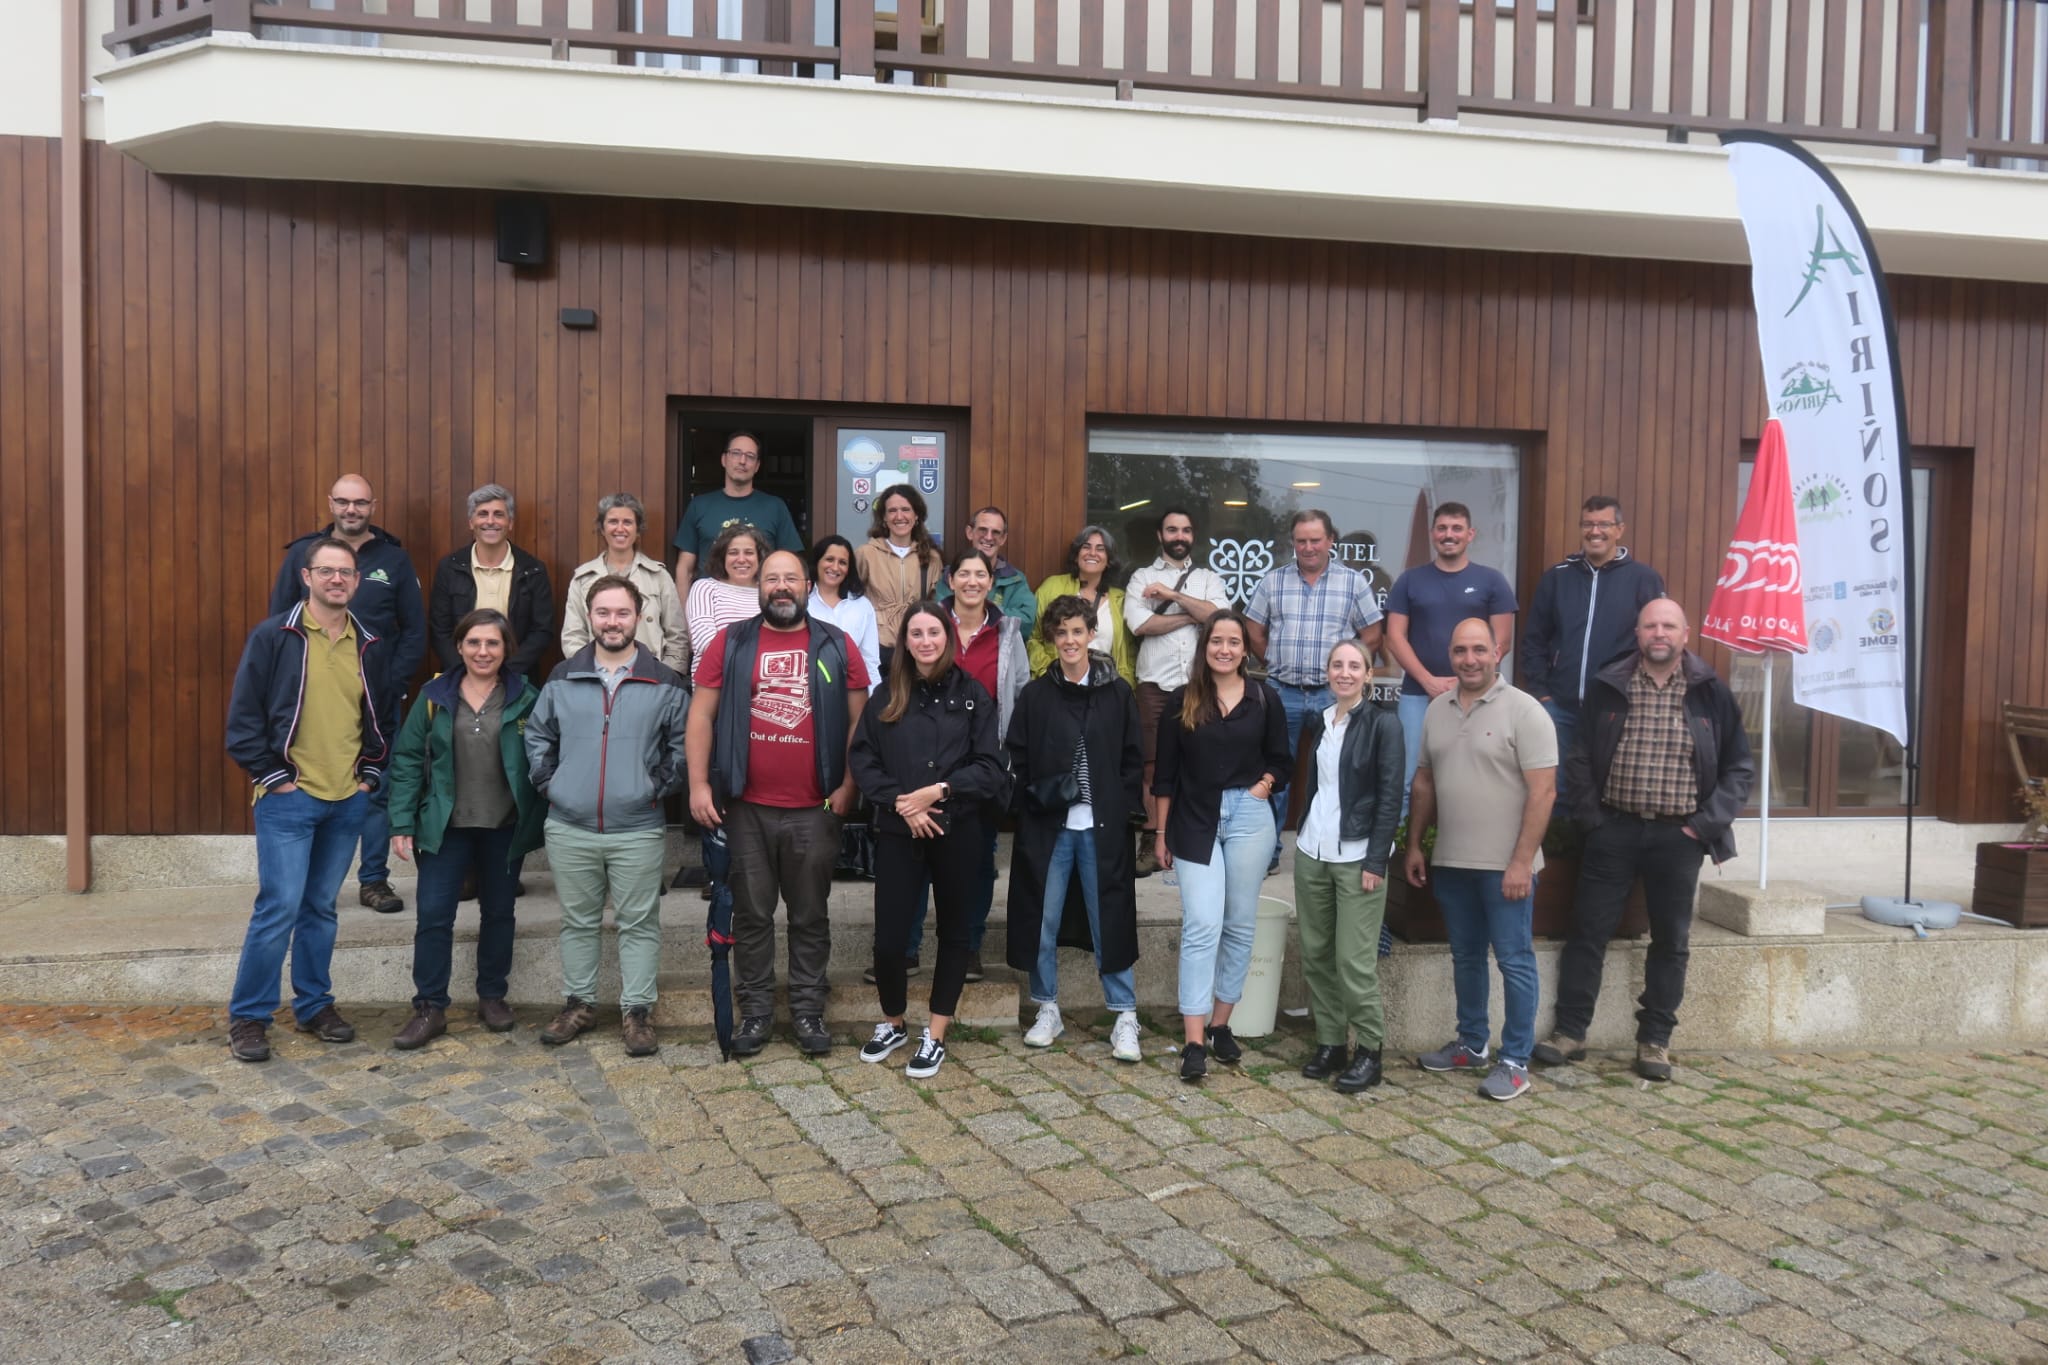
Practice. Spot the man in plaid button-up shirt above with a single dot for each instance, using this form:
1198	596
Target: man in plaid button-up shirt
1659	769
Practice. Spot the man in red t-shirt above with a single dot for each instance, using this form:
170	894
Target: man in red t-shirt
770	769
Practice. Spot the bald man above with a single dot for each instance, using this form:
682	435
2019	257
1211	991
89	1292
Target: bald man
1486	778
1658	772
389	605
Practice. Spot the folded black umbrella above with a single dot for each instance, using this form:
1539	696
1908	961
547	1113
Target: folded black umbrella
718	936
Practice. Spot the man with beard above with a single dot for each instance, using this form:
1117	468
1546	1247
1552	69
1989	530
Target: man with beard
769	767
1658	774
389	605
604	744
1165	606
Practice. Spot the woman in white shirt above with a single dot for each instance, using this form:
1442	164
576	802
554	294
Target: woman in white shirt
838	596
1347	801
729	591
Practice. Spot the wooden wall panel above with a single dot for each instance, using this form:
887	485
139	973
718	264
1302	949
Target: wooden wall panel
249	341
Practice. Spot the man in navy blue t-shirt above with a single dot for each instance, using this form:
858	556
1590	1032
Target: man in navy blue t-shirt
1424	608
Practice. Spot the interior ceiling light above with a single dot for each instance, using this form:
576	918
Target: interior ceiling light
1133	506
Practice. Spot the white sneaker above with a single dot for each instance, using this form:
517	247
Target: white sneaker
1047	1027
888	1037
1123	1038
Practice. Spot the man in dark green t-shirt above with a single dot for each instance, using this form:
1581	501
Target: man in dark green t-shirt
709	513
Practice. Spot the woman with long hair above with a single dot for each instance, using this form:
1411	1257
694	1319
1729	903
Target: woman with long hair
1348	783
461	806
928	758
900	562
1091	573
1222	754
728	586
1076	768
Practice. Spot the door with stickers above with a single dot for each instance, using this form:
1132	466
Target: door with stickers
860	457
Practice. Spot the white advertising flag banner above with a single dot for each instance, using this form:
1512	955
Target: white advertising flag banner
1823	323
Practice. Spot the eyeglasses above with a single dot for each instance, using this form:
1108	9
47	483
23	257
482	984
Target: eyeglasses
1599	525
325	573
737	453
365	503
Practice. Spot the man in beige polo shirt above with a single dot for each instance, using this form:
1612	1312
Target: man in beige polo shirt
1486	778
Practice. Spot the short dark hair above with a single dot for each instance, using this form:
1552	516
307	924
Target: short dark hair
732	436
606	584
1066	607
1312	514
1451	509
329	543
489	616
1112	566
1174	511
853	586
988	561
1601	502
981	512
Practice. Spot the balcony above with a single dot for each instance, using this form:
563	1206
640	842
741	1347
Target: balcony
1562	122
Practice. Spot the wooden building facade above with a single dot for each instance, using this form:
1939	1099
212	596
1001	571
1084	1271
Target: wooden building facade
248	341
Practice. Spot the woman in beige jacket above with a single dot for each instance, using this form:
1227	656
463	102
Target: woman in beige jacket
620	519
900	563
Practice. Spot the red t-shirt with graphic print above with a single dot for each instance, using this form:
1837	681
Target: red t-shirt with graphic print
782	770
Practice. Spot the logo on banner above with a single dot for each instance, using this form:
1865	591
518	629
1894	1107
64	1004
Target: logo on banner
1817	260
927	477
1240	564
1760	566
1883	635
1825	636
1807	388
1820	497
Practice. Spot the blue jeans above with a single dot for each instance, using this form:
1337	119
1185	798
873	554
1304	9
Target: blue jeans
375	864
488	853
1219	905
981	897
303	849
1297	702
1566	719
1477	916
1411	710
1073	855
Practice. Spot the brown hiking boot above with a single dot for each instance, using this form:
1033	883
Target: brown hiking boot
248	1040
428	1022
380	897
1560	1049
329	1027
496	1015
1148	855
637	1028
1653	1061
576	1016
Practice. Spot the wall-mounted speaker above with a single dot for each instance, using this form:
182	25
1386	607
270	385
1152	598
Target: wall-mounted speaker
523	230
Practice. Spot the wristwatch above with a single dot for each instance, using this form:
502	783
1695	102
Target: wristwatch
945	791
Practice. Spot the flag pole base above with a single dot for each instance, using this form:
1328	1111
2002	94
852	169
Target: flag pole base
1917	915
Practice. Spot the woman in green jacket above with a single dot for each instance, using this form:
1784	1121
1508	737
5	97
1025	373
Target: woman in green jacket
1091	568
461	801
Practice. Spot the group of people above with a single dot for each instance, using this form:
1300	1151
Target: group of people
1126	722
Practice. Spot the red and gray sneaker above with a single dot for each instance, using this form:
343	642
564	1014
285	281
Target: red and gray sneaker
1506	1081
1453	1056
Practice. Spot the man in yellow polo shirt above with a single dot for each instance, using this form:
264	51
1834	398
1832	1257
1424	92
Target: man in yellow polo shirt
302	722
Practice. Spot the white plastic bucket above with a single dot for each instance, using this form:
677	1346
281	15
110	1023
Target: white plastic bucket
1260	1006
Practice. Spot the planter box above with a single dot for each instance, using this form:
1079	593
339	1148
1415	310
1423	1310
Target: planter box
2012	885
1412	914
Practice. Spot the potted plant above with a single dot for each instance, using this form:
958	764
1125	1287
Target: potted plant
1412	912
2012	878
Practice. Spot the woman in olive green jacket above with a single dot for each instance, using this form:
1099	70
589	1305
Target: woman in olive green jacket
1091	570
461	801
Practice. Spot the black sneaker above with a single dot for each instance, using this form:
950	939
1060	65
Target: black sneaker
811	1035
751	1036
328	1026
975	971
1223	1046
888	1037
1194	1062
248	1040
930	1056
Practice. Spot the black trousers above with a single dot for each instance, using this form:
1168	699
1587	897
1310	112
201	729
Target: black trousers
902	865
786	854
1667	859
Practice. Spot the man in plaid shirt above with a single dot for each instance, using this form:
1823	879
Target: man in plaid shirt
1658	771
1297	613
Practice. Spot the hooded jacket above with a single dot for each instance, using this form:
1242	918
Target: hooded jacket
387	600
270	690
607	759
422	769
1583	617
1720	750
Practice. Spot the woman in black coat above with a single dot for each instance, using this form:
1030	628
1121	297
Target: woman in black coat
1078	772
926	755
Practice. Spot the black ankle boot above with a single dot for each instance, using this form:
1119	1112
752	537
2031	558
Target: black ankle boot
1326	1061
1362	1074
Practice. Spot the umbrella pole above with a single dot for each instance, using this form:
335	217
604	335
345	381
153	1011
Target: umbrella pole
1763	876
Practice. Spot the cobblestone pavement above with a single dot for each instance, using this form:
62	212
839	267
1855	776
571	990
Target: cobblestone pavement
490	1199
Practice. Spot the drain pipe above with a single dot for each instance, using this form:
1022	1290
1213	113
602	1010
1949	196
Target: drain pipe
71	288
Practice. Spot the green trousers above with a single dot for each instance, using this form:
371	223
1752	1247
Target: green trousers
1340	949
625	866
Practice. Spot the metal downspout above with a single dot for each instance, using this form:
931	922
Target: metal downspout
71	266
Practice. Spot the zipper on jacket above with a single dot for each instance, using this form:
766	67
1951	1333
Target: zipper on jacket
1586	644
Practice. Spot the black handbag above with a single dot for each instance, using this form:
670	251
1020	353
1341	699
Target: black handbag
1055	792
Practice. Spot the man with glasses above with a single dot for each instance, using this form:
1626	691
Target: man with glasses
989	531
303	724
390	606
738	501
1584	616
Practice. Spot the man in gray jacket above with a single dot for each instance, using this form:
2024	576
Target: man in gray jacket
605	746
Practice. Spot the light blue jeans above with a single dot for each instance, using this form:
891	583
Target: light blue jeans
1410	709
1074	856
1219	904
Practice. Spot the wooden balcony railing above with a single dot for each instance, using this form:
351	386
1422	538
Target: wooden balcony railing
1955	80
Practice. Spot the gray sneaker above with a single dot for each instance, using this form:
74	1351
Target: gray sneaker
1505	1081
1453	1056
